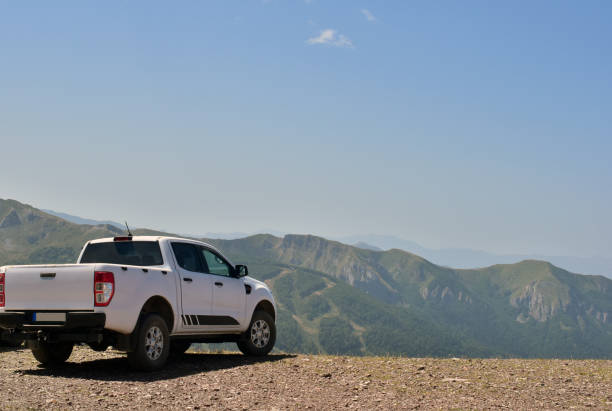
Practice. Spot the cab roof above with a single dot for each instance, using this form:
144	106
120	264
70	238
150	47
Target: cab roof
150	238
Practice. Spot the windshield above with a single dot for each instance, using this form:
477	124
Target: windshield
143	253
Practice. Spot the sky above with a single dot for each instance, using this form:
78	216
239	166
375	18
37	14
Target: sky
475	124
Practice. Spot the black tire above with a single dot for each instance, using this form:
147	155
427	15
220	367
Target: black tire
99	347
152	345
259	338
51	354
179	347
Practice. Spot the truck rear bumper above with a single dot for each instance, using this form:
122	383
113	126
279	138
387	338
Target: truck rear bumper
74	320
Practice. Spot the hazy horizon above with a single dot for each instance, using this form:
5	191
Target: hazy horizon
379	240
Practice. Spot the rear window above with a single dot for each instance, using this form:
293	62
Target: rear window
144	253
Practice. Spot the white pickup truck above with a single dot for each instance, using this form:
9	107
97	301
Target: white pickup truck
148	296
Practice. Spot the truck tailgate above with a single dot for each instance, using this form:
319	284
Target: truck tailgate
50	287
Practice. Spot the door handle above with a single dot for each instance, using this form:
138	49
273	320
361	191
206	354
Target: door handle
218	284
188	280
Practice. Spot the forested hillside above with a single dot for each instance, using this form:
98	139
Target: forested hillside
530	309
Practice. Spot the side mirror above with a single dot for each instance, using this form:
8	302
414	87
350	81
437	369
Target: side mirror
242	270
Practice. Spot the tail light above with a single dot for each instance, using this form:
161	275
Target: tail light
104	288
2	290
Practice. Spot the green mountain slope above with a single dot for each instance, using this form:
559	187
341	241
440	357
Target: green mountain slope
30	236
318	313
335	298
529	309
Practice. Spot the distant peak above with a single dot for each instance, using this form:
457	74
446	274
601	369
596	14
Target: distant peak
535	263
80	220
263	235
366	246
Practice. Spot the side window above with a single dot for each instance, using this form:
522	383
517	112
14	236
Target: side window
187	257
216	265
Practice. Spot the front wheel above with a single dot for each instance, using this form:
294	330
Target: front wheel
152	344
50	354
260	337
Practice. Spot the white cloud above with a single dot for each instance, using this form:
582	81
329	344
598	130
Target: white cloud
368	15
332	38
325	37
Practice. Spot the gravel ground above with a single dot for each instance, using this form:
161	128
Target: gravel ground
231	381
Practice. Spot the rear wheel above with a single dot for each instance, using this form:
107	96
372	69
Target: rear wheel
50	354
152	344
260	337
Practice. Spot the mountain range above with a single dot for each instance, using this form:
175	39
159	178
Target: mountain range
470	258
337	298
449	257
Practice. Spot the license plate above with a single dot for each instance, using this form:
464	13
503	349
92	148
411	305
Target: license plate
49	317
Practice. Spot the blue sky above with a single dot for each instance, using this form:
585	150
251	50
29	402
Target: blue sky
454	124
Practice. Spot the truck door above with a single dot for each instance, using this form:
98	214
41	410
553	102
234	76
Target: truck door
229	295
196	288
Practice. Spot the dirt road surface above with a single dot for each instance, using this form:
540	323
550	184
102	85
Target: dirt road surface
197	381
